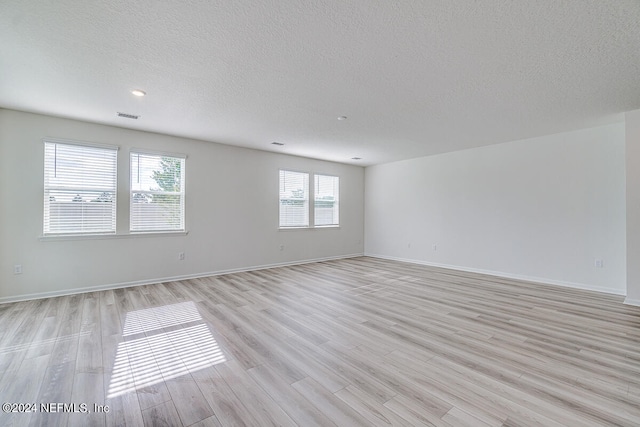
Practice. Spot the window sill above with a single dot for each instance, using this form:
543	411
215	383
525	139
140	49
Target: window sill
133	235
318	227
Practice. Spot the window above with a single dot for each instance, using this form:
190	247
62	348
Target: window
326	191
79	188
157	192
294	199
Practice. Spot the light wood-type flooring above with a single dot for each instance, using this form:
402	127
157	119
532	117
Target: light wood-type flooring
353	342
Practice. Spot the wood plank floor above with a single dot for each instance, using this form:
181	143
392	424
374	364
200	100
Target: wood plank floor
355	342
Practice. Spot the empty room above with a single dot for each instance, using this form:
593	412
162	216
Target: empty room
320	213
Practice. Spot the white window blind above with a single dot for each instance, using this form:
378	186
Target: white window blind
326	204
79	188
294	199
157	192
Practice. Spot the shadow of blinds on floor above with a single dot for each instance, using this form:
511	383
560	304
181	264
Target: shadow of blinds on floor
161	343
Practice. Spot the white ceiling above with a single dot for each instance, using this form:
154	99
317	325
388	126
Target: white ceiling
414	77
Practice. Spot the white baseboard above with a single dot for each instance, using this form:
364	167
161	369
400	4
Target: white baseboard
40	295
630	301
541	280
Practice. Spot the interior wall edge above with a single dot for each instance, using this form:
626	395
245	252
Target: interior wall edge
65	292
540	280
631	301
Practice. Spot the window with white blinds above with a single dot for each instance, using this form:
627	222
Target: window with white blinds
157	192
326	190
79	188
294	199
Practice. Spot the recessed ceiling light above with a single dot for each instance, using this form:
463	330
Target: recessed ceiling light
138	92
356	158
277	143
342	118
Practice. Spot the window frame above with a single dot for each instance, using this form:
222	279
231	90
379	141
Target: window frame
311	201
48	188
182	193
336	201
307	200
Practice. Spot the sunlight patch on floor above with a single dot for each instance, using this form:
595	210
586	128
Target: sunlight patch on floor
162	343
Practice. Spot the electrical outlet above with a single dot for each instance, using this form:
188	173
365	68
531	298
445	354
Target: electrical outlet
181	256
435	247
282	247
17	269
599	263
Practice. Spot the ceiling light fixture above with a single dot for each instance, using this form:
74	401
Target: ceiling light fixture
342	118
138	92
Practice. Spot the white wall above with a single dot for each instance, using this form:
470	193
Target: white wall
542	209
632	122
231	213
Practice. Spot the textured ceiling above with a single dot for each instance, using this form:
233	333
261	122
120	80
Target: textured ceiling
414	77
